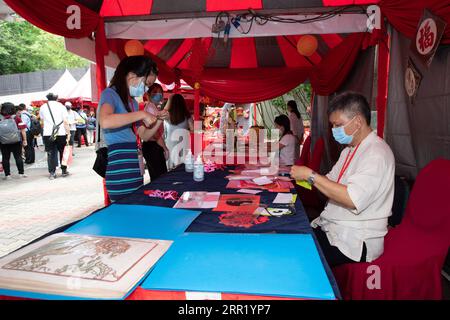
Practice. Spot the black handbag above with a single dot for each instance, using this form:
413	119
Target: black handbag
101	161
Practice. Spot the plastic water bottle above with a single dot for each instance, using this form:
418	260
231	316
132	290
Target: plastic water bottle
199	173
189	162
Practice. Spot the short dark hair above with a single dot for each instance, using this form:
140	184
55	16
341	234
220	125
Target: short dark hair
22	106
52	97
352	104
8	109
155	86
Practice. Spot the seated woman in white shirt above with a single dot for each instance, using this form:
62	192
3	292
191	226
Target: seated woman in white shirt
288	142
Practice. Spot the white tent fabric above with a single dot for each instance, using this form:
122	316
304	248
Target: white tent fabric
62	88
82	89
201	27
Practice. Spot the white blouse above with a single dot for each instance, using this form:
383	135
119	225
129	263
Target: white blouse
370	183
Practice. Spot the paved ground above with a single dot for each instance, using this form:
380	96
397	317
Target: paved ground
31	207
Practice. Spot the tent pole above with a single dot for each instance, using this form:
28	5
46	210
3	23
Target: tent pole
101	49
382	85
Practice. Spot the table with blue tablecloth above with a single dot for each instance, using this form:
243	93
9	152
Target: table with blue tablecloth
208	221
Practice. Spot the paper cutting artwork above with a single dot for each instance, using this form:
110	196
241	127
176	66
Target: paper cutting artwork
241	219
238	202
99	263
88	258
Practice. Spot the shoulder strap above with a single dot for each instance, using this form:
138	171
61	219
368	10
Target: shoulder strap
51	113
53	119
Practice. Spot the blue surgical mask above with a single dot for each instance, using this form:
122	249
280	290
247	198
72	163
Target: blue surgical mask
340	135
157	97
137	91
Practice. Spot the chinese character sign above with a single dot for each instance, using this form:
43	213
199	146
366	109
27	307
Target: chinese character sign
428	36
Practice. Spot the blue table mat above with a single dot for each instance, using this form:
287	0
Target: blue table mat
286	265
136	221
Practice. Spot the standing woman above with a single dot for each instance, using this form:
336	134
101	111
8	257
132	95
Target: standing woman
288	141
119	119
154	148
91	127
296	123
177	129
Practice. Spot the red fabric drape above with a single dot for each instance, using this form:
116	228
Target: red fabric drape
404	15
328	76
52	16
247	85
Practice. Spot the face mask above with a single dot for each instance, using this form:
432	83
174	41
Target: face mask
157	97
138	90
340	135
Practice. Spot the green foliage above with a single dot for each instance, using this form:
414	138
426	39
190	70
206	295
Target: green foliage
26	48
302	95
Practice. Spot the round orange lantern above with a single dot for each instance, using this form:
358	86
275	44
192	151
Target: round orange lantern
307	45
134	48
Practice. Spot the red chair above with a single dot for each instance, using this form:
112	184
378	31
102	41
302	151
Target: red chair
316	158
415	251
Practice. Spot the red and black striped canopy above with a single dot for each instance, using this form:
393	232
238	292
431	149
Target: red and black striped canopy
123	8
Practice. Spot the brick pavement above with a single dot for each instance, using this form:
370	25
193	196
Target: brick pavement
31	207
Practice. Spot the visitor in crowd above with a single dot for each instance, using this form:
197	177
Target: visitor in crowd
12	137
56	133
72	118
81	127
360	186
120	122
288	142
90	129
26	118
177	129
154	148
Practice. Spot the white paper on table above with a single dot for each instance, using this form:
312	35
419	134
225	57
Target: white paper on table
284	198
238	177
198	200
250	191
262	181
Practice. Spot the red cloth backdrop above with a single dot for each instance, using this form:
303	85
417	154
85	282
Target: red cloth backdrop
404	15
328	76
51	16
246	85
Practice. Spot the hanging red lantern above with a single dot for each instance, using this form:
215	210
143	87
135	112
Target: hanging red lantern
307	45
134	48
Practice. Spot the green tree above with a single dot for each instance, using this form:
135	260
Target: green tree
26	48
302	95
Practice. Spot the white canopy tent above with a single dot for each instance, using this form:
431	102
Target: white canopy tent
82	89
65	84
